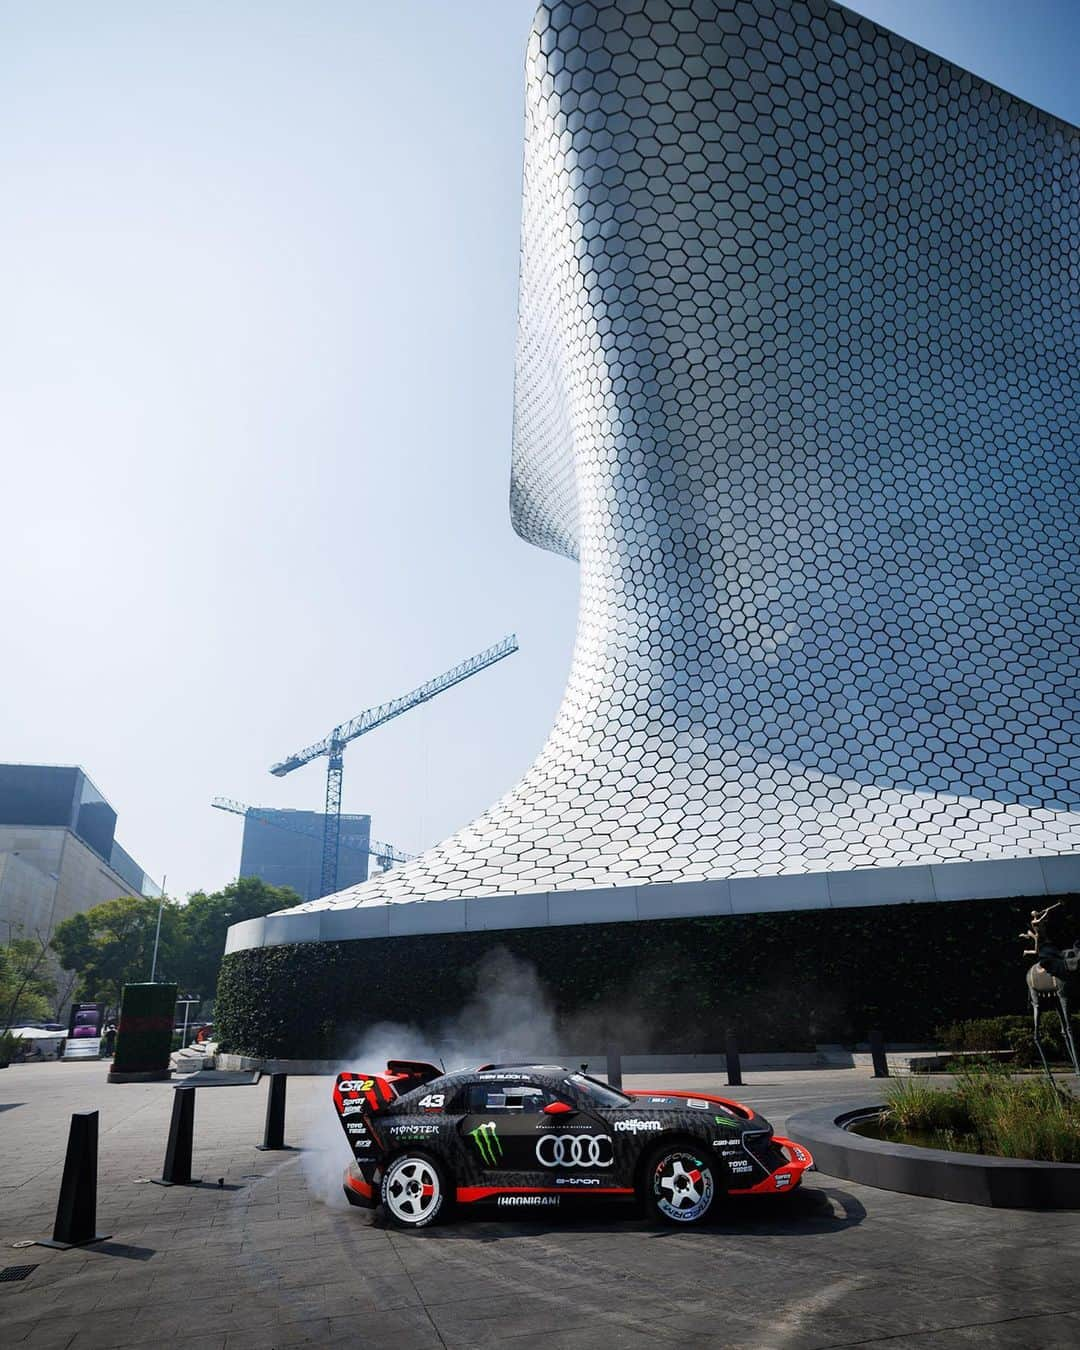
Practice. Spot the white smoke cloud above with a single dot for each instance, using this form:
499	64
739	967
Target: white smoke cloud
509	1016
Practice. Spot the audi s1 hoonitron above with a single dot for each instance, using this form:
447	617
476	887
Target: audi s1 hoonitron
538	1135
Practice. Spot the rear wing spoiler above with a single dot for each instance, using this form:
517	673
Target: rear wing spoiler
359	1097
414	1069
357	1092
360	1093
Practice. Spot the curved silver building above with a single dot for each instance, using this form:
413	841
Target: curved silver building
797	387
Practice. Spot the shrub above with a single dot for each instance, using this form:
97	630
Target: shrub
988	1111
914	1106
1009	1033
10	1045
782	981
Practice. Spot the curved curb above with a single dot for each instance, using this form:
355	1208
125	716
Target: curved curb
968	1178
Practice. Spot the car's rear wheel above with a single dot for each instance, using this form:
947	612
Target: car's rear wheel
414	1191
679	1184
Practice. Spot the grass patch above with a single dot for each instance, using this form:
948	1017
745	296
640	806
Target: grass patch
987	1111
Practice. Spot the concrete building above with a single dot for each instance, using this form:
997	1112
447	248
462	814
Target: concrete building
58	852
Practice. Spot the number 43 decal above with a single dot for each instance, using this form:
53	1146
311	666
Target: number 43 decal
433	1101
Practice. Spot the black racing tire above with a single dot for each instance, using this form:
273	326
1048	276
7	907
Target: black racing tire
414	1191
680	1184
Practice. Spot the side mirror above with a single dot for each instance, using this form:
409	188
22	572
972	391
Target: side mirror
557	1109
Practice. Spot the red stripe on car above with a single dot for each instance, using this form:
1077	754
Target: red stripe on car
467	1194
359	1185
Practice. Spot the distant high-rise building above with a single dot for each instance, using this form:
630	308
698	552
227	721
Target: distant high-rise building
284	848
58	853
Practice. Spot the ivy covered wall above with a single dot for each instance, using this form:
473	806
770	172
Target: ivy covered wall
782	981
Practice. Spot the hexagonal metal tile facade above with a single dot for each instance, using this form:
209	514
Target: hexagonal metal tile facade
797	385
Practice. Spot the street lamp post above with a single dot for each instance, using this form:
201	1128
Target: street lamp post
187	1001
157	934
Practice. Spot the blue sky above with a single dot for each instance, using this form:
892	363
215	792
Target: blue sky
259	267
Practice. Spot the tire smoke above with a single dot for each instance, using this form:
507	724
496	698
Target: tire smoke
510	1015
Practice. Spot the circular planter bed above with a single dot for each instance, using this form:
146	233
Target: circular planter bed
970	1178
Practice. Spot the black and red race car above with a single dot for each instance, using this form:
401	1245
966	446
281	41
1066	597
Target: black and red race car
534	1135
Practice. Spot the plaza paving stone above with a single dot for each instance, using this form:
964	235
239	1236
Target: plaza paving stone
276	1258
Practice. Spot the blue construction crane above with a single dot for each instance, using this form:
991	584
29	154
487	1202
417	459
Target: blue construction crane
384	854
334	744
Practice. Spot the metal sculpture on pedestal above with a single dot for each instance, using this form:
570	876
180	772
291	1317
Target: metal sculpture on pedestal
1048	978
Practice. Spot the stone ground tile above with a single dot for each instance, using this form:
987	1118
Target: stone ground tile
1057	1331
168	1318
274	1263
314	1332
190	1342
401	1329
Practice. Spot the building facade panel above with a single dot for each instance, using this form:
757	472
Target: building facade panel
796	384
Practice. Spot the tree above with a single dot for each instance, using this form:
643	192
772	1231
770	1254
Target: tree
25	984
112	945
205	919
63	992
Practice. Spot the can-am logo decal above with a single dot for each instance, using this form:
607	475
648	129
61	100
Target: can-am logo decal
575	1150
636	1126
488	1144
528	1200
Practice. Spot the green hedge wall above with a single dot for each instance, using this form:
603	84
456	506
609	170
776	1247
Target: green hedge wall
782	981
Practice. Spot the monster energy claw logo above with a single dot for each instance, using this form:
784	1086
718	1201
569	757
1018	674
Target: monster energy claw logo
486	1139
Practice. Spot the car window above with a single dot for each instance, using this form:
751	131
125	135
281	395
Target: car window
599	1094
504	1097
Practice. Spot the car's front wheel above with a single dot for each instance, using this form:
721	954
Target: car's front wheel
414	1191
679	1184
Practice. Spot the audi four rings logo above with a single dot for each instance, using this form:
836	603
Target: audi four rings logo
575	1150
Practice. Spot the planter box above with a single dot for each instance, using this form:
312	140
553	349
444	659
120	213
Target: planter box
969	1178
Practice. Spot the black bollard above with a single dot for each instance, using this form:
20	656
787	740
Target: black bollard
734	1067
76	1212
177	1169
274	1129
614	1066
877	1053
